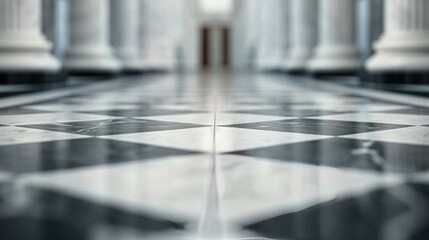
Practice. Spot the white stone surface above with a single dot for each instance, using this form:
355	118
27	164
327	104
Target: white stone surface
390	118
227	139
304	33
221	118
404	45
89	47
337	49
23	47
49	118
19	135
411	135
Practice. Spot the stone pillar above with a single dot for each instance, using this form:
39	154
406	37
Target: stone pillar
23	48
278	46
125	35
337	51
248	38
144	32
403	49
286	35
89	49
157	30
303	33
268	55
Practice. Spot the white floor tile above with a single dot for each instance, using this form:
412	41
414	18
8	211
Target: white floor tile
227	139
81	107
221	118
182	187
43	118
390	118
17	135
351	107
410	135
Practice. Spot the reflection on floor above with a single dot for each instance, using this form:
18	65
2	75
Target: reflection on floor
215	157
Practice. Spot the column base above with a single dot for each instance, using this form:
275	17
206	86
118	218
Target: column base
396	77
102	64
297	65
28	62
329	74
134	66
339	66
158	66
32	77
298	60
335	59
133	72
296	72
93	74
269	65
283	67
398	62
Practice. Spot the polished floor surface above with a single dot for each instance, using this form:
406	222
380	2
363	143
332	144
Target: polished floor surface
214	156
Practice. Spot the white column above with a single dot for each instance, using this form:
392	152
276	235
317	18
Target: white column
190	34
157	30
271	42
404	45
144	31
125	35
89	49
23	48
286	34
248	39
337	50
277	35
303	33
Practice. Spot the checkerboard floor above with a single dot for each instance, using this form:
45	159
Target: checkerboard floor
196	157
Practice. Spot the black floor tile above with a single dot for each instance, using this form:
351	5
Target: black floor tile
412	111
54	216
350	153
320	127
68	154
113	126
290	112
378	215
20	111
140	112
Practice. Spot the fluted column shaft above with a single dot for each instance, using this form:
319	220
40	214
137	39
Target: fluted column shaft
248	31
337	50
404	45
144	31
125	35
89	38
303	33
157	29
286	34
270	52
22	44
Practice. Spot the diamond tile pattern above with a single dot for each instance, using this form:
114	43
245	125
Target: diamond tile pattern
322	127
113	126
167	157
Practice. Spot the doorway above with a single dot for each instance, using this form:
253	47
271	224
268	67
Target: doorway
214	47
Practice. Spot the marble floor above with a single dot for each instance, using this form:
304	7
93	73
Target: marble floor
214	156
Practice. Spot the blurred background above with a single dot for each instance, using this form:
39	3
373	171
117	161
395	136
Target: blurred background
196	34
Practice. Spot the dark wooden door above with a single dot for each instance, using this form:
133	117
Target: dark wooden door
205	47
